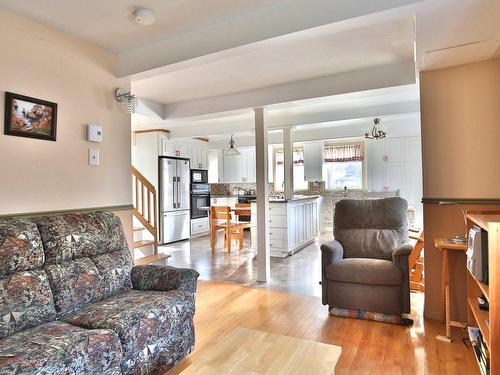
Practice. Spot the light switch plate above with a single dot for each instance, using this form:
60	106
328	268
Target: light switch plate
94	157
94	133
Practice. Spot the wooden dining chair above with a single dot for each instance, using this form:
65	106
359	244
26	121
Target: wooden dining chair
220	219
243	224
416	261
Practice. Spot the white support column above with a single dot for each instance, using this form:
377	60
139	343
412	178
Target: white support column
261	149
288	162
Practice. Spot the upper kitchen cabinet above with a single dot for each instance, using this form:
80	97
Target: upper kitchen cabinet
196	153
313	161
199	157
248	173
235	168
215	167
396	164
232	168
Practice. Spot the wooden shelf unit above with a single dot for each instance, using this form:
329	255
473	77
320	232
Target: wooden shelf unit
490	222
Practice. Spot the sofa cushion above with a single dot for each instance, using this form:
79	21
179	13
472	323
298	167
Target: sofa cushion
25	301
114	271
139	318
60	348
78	235
74	284
364	271
20	246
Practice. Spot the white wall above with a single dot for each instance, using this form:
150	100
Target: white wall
39	175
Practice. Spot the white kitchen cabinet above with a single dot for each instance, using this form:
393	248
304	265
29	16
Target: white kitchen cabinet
313	161
197	154
292	225
396	164
200	227
232	168
395	176
199	157
214	167
168	148
248	165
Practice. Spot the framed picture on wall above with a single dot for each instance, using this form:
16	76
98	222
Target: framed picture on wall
30	117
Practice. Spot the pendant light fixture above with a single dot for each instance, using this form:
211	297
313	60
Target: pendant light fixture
376	132
232	151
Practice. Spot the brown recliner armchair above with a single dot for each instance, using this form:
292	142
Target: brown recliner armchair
366	266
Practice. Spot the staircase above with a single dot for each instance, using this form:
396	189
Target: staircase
146	216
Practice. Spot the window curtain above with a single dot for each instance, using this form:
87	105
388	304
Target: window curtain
343	153
298	157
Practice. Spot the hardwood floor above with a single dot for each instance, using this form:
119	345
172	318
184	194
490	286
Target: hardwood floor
367	347
299	273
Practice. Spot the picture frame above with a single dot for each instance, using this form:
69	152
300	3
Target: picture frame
30	117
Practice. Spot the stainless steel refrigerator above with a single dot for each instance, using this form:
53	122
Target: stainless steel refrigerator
174	199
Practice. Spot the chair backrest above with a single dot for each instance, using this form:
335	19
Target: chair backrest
371	228
244	212
220	215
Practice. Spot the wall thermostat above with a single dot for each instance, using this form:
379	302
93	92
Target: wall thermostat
94	133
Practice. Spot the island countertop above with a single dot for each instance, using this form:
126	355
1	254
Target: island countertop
295	198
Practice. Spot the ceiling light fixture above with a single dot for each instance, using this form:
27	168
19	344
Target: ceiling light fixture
143	16
375	133
232	151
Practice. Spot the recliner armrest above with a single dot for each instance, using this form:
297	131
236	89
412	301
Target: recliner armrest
331	250
400	255
164	278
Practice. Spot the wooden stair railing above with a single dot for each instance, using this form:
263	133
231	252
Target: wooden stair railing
145	206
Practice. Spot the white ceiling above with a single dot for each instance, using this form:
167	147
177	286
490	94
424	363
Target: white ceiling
202	53
109	24
292	60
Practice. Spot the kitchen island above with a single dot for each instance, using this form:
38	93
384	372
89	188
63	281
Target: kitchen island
293	224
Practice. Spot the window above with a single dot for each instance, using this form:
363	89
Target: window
298	170
343	167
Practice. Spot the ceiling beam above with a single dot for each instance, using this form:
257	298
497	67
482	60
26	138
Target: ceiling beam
400	73
278	121
398	125
251	30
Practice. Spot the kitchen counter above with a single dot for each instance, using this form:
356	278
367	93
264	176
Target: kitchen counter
231	196
295	198
293	224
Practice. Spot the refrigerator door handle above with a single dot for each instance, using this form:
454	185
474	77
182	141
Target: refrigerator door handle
178	189
174	193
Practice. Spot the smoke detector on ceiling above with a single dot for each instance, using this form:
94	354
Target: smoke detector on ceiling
144	17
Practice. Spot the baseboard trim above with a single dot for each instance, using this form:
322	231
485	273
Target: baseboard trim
461	200
124	207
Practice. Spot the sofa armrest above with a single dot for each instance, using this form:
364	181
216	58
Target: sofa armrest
164	278
400	255
330	252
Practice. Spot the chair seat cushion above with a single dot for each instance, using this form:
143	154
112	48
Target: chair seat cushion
364	271
60	348
139	318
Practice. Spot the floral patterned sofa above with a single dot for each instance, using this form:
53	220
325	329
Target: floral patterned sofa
72	302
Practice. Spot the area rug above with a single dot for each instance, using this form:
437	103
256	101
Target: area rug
368	315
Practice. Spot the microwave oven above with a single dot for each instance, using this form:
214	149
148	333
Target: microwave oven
477	254
199	176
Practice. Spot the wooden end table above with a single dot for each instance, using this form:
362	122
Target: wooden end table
445	245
